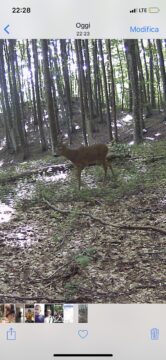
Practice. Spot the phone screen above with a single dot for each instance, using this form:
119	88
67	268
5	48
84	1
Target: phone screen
82	180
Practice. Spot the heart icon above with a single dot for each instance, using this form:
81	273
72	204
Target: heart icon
83	333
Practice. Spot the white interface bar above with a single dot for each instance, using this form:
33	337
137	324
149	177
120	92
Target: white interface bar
83	19
113	331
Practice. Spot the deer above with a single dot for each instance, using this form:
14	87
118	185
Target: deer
86	155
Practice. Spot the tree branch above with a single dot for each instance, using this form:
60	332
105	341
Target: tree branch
126	226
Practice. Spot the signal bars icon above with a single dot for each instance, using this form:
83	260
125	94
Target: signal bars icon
133	11
151	10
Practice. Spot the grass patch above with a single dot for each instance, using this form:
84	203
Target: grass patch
119	149
71	289
153	148
83	260
6	191
131	174
7	174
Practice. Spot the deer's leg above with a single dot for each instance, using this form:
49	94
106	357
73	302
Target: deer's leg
105	169
79	169
110	166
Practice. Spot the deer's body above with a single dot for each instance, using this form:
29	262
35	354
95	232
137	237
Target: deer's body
86	155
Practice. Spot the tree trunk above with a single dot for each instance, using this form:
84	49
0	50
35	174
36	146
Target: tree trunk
60	89
10	129
151	64
162	70
130	96
16	104
97	82
64	60
113	101
48	93
54	95
131	52
38	100
122	77
143	96
89	84
32	83
79	67
147	78
105	89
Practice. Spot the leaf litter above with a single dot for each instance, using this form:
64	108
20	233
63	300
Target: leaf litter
50	256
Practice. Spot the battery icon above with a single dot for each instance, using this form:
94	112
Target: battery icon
153	10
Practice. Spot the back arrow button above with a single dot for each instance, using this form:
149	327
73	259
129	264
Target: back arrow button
6	29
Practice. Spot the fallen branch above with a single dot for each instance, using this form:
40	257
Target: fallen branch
154	159
66	212
30	298
49	169
52	276
147	159
126	226
146	227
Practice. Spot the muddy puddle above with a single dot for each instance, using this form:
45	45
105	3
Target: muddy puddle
16	234
6	212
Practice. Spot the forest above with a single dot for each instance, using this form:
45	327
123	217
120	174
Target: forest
67	233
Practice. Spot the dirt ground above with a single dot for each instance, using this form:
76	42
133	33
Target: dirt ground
49	256
124	266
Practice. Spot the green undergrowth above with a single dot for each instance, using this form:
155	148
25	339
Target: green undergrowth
6	192
119	149
7	189
83	260
14	170
144	169
6	174
149	149
136	168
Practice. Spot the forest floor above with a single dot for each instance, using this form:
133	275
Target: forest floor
61	244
